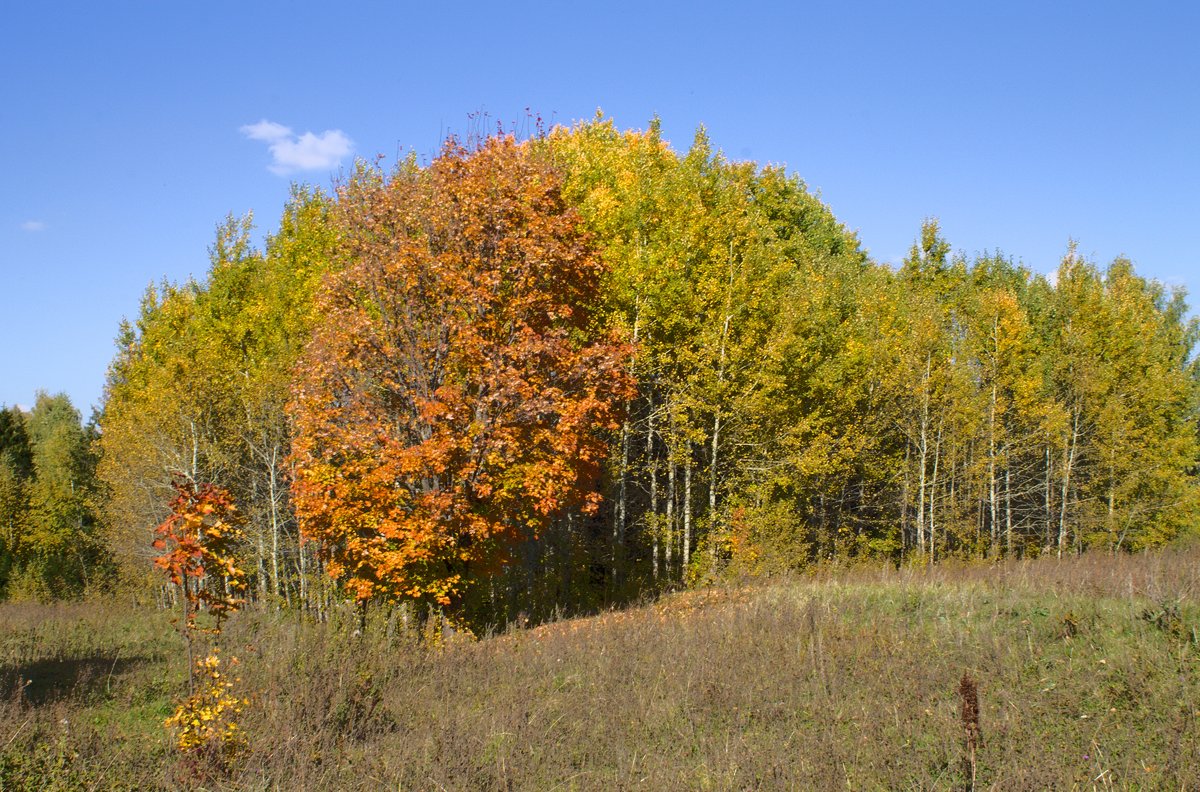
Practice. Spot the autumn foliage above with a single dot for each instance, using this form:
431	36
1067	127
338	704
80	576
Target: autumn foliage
454	398
439	334
205	723
199	540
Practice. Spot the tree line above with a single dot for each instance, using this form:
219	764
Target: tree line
52	543
553	374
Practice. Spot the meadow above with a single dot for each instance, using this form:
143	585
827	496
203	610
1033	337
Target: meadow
1087	671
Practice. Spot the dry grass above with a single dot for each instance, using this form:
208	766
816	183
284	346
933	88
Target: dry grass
1088	675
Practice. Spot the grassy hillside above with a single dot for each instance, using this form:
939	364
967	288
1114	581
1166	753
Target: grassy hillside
1088	673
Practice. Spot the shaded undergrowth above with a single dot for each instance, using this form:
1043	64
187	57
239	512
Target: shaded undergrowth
1087	671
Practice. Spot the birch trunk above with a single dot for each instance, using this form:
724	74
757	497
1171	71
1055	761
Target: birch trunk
1049	511
652	522
937	457
993	500
1068	464
923	455
716	432
622	517
274	494
687	509
1008	522
669	535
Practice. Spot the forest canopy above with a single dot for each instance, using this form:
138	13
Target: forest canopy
560	372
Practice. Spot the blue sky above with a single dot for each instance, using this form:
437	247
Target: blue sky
132	128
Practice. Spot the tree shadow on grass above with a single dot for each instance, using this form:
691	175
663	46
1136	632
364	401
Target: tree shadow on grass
45	681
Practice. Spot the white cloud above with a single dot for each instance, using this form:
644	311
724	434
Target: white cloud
33	226
291	152
267	130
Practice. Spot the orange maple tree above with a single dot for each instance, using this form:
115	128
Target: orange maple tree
452	400
198	539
